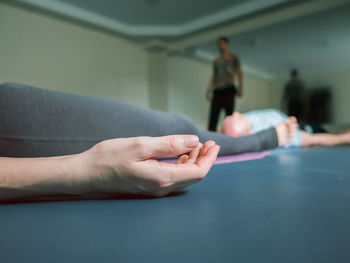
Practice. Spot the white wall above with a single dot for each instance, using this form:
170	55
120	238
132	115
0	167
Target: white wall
50	53
157	80
188	81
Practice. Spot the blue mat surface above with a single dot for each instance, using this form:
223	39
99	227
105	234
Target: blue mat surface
291	206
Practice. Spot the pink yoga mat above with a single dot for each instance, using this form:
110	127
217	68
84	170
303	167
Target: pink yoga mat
231	158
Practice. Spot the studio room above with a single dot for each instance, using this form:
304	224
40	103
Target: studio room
174	131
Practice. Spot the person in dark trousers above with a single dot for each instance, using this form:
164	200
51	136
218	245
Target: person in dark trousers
221	89
294	100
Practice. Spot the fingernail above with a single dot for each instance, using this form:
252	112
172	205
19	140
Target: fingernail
211	143
191	141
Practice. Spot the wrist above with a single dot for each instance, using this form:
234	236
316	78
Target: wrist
48	176
77	174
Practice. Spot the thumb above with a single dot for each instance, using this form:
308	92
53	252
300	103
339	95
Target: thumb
167	145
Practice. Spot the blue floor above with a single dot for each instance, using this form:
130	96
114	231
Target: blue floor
292	206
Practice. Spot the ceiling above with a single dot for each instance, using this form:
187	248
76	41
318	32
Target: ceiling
154	17
314	43
154	12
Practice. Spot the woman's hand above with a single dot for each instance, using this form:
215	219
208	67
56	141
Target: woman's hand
119	166
128	165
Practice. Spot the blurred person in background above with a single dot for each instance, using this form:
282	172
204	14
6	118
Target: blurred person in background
221	89
295	99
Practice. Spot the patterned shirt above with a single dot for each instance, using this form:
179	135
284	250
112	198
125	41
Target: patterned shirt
224	71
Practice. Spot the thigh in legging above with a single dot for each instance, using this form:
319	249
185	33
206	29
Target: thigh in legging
37	122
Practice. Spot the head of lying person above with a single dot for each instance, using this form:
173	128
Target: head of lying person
236	125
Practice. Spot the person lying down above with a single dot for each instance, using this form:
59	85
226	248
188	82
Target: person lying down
251	122
58	145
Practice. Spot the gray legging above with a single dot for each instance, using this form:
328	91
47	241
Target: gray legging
36	122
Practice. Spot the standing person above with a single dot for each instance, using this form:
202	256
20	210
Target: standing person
294	100
221	88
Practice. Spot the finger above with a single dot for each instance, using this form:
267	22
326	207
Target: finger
186	171
188	174
194	154
148	147
206	147
205	162
182	159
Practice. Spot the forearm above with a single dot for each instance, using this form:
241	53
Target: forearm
211	84
34	177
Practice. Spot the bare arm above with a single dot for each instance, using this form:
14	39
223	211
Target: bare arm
29	177
111	167
324	139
